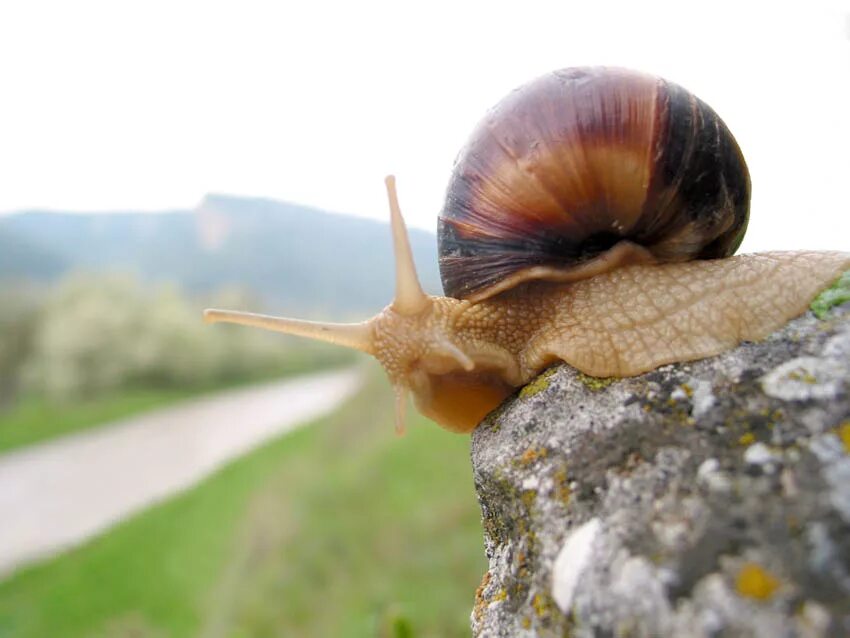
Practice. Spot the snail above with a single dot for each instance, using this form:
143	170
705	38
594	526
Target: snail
591	219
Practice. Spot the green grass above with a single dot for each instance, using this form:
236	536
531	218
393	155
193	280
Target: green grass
339	529
34	419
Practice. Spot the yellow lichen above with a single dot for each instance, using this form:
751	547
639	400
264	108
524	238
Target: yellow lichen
843	432
747	439
537	385
754	581
541	605
480	601
526	623
562	486
802	375
531	455
595	383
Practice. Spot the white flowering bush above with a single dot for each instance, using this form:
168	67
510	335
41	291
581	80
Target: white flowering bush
97	333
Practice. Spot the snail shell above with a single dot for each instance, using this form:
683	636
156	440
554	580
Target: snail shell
582	162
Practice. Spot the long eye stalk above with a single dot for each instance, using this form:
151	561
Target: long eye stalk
409	298
357	336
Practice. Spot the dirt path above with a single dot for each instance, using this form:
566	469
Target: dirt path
57	494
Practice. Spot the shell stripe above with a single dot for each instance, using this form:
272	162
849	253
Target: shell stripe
566	167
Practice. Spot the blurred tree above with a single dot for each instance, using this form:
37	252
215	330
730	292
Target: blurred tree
18	308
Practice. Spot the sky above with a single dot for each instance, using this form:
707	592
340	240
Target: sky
150	105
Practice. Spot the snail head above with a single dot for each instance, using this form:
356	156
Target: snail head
410	337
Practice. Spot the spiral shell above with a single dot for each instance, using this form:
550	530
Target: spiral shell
579	163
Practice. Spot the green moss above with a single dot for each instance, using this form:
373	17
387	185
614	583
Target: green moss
537	385
837	294
595	383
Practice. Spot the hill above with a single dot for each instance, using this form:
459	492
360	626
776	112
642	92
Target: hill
297	259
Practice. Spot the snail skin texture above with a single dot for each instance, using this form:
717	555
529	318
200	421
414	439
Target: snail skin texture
591	219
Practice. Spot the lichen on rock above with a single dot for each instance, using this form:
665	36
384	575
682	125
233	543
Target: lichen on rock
701	499
838	293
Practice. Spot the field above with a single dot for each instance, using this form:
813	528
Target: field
338	529
35	418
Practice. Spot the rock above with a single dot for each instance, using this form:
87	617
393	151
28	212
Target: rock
701	499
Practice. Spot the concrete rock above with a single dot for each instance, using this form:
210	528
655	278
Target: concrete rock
701	499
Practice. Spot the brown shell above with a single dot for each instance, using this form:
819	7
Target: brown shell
579	161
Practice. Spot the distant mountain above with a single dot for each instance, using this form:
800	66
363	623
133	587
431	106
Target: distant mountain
20	257
296	258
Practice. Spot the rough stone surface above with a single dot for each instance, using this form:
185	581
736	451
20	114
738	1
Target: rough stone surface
703	499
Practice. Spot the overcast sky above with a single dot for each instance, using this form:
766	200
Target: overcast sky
149	105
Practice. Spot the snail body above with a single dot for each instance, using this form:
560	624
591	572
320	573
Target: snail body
591	219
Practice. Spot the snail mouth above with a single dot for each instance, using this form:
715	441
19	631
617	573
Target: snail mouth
460	400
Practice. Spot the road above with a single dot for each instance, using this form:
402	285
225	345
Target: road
57	494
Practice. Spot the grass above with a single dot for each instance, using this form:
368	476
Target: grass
34	419
339	529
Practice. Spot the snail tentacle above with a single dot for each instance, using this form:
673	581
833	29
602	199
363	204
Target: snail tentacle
357	336
400	391
409	297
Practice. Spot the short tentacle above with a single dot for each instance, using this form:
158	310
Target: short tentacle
448	349
400	408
